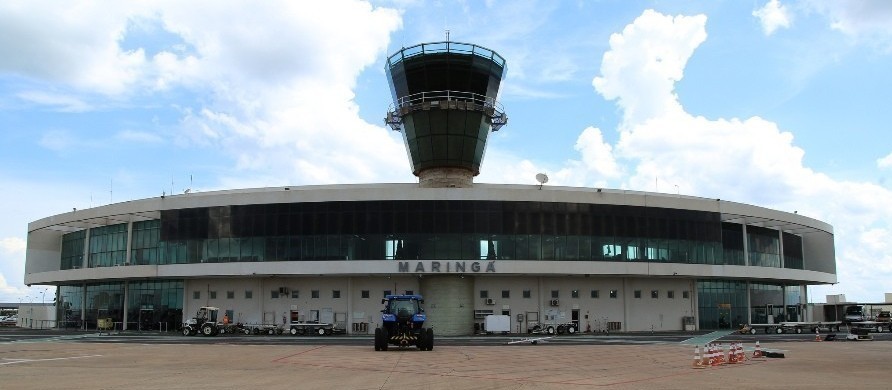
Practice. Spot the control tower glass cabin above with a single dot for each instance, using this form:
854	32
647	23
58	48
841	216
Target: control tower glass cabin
444	102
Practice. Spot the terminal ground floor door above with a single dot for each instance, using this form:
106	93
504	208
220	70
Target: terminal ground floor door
574	317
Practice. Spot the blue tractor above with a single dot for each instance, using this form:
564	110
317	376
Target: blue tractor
402	324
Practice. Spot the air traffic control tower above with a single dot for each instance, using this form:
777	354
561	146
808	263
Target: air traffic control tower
444	103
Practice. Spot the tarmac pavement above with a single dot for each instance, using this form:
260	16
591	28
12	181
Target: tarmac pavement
84	361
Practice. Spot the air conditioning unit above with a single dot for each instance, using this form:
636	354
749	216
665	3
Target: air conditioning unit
555	302
283	290
490	301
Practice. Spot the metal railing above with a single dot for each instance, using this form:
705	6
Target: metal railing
453	100
445	47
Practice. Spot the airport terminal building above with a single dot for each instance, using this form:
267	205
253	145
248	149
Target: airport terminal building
604	259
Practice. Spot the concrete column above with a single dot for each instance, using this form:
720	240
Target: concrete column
449	304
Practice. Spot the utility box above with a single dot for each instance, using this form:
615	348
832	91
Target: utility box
498	323
688	323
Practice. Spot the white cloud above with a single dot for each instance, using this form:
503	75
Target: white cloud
642	66
140	137
885	162
865	21
63	103
748	160
12	245
773	15
71	44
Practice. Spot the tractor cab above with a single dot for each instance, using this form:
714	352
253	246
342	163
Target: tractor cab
402	323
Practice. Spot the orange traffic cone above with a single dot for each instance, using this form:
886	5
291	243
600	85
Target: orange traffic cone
722	359
713	356
741	355
757	353
698	363
818	335
732	353
706	360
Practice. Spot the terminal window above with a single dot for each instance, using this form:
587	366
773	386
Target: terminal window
387	292
527	294
574	294
314	293
686	294
365	294
654	294
506	294
335	294
484	293
196	295
614	294
670	294
596	293
295	294
213	294
249	294
555	293
274	294
230	295
638	294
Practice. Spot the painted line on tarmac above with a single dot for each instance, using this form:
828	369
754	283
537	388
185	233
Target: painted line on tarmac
20	361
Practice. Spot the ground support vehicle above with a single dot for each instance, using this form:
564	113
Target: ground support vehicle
402	324
554	328
792	327
320	329
497	324
270	329
871	326
205	321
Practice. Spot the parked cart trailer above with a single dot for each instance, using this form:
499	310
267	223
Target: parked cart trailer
320	329
871	326
791	327
268	329
553	328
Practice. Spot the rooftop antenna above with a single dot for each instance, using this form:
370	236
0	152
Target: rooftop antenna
447	35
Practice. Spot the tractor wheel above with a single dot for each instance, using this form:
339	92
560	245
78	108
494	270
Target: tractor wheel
187	331
561	329
293	331
421	341
429	340
320	331
377	339
207	330
549	330
571	329
385	342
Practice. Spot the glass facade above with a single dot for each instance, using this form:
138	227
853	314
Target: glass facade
792	251
722	304
144	248
69	305
433	230
767	301
73	250
104	300
468	230
156	304
108	245
763	246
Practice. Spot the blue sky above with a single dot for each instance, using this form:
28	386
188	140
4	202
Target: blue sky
782	104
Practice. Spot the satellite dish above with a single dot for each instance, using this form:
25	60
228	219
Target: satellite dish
542	179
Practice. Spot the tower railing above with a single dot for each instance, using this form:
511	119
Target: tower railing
446	100
445	47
